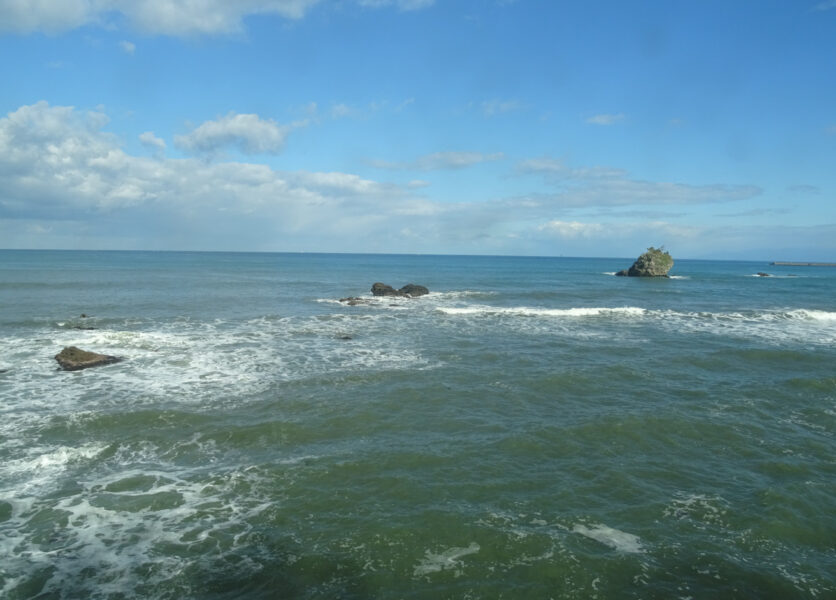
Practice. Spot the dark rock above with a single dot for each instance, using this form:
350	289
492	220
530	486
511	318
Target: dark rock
410	290
344	337
760	274
653	263
82	328
381	289
74	359
622	273
413	291
354	300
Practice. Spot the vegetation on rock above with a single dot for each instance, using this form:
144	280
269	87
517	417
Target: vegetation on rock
656	262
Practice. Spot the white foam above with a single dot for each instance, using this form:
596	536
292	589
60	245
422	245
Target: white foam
700	508
121	519
196	363
630	311
812	315
772	326
448	559
614	538
39	470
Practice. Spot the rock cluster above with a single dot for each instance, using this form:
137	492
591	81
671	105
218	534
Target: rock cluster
74	359
653	263
410	290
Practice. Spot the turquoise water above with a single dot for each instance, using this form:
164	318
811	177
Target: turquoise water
534	428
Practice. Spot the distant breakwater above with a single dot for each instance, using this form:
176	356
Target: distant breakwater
803	264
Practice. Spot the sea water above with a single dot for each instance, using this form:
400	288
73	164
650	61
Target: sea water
533	428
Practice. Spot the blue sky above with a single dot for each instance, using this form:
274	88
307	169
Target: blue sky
435	126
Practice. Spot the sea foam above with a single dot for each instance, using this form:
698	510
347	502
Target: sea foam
526	311
448	559
609	536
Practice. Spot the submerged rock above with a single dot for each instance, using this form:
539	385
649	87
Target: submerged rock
653	263
355	300
74	359
410	290
761	274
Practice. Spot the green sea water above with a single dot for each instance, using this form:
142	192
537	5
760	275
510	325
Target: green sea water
533	428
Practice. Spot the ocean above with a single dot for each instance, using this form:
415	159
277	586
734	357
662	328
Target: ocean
533	428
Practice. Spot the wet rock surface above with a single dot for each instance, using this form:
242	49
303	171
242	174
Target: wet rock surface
410	290
75	359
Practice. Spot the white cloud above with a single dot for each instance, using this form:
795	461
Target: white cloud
572	229
605	119
247	132
440	160
338	111
151	141
400	107
127	47
401	4
58	165
607	186
206	16
556	168
24	16
492	108
66	182
166	17
825	5
804	188
153	16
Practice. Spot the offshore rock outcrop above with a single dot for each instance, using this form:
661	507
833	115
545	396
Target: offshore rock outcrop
75	359
653	263
410	290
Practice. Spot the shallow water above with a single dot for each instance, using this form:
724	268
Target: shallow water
534	428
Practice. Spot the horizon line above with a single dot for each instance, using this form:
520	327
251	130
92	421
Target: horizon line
475	255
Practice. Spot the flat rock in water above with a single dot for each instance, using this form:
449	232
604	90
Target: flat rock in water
355	301
74	359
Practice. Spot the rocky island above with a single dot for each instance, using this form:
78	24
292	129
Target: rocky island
656	262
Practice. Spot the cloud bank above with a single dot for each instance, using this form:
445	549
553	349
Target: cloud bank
161	17
440	160
57	164
65	181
